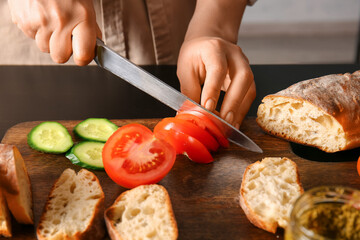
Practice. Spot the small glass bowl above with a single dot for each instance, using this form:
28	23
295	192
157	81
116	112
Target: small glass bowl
326	213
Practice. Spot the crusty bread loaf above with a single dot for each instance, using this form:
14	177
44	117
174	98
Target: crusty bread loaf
322	112
15	183
144	212
5	219
74	209
268	190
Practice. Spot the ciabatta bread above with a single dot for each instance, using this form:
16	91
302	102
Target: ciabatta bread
268	190
144	212
5	218
74	209
15	183
322	112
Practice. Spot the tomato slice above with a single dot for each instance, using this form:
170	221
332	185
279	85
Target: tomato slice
185	144
205	123
358	165
132	156
181	125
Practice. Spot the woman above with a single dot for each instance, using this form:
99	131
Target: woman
200	37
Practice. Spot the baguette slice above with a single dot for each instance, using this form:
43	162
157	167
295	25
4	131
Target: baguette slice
144	212
268	190
15	183
74	209
322	112
5	218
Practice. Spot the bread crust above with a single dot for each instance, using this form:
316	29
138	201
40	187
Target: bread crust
8	177
10	183
94	231
250	214
110	212
5	215
338	95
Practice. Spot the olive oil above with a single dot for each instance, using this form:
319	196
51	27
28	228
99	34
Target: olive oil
325	213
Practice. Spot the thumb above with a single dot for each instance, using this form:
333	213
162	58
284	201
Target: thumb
189	83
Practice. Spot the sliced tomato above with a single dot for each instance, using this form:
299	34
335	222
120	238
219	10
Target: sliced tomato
185	144
358	165
181	125
132	156
205	123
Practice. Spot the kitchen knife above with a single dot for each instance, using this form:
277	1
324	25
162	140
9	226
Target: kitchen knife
123	68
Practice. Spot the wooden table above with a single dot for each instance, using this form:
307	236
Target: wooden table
204	196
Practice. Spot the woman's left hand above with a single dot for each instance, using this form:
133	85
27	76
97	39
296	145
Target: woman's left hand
218	65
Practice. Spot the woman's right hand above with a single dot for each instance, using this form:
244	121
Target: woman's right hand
61	28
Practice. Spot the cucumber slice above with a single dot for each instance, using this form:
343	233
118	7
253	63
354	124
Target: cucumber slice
87	154
95	129
50	137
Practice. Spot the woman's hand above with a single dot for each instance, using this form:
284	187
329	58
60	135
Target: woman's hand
217	65
210	57
59	27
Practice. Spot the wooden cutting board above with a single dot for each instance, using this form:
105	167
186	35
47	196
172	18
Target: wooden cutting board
205	197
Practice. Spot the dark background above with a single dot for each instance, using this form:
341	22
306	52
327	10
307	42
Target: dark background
29	93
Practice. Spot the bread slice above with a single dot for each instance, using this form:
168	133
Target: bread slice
144	212
268	190
74	209
322	112
15	183
5	218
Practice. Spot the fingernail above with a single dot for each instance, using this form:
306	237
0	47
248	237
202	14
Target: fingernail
210	104
229	117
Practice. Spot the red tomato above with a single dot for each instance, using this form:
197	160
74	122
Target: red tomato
132	156
204	122
185	144
181	125
358	165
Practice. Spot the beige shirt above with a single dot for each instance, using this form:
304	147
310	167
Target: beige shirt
147	31
144	31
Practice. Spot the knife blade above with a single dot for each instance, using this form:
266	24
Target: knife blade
138	77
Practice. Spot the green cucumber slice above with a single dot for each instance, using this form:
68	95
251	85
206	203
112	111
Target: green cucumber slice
95	129
50	137
87	154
